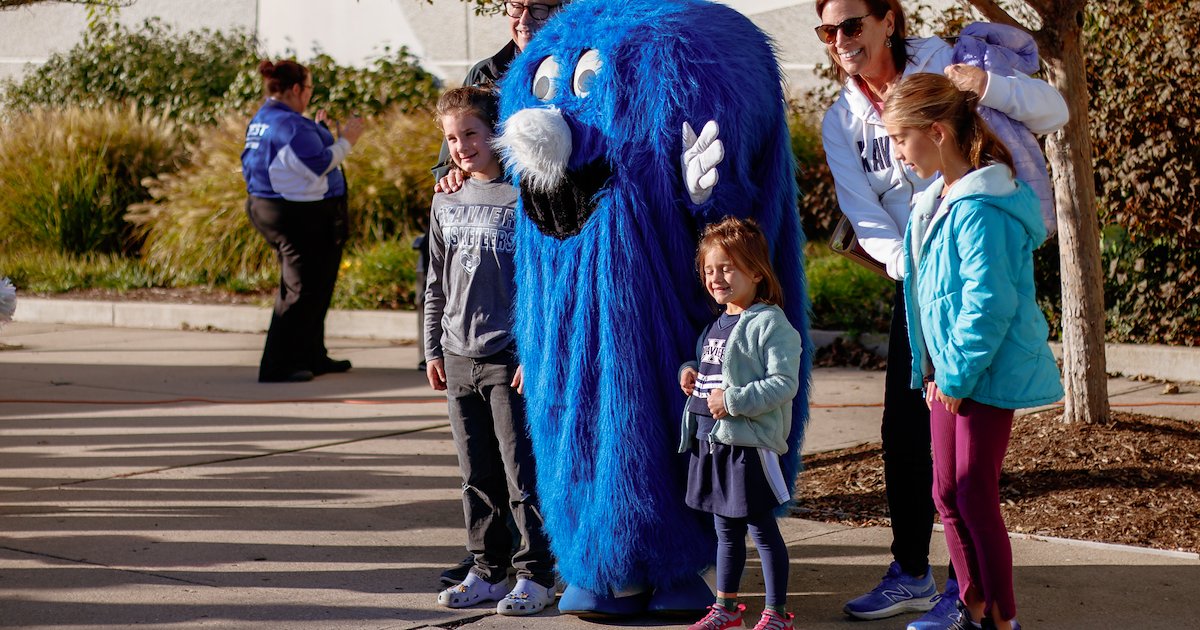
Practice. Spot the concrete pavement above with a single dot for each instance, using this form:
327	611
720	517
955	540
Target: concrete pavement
147	479
1171	363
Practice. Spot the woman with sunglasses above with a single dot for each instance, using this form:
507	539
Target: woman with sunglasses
867	42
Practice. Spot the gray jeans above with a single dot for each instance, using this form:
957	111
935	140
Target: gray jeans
495	455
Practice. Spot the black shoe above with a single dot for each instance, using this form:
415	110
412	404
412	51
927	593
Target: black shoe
422	366
457	573
299	376
332	366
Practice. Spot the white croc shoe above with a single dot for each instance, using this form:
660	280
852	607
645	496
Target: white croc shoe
473	590
526	598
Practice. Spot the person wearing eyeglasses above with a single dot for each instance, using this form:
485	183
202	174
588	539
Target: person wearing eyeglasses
297	201
524	21
868	44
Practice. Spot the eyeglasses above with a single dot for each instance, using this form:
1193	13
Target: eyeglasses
536	10
851	28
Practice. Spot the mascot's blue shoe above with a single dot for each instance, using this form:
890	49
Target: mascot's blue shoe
688	598
588	605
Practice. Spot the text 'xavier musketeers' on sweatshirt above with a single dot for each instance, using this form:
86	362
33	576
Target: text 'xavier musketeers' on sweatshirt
470	284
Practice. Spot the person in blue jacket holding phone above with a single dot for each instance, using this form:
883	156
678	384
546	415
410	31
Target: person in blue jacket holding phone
297	201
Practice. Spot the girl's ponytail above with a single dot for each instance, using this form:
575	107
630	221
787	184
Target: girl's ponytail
984	146
924	98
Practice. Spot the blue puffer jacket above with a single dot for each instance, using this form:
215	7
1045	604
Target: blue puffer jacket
973	320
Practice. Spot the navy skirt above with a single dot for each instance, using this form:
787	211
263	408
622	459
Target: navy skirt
734	481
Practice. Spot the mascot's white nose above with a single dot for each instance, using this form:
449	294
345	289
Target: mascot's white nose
536	145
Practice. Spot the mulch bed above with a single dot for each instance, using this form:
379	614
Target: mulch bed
843	353
1132	481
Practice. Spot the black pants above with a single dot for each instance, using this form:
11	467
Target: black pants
495	455
907	451
307	238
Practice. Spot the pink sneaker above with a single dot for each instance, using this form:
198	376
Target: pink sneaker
772	620
719	618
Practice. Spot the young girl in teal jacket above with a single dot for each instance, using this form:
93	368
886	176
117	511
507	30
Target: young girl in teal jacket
977	334
739	415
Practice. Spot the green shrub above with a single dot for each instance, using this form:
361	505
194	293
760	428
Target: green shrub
1147	153
392	81
388	176
199	77
195	227
378	275
818	201
52	272
1147	158
66	176
1152	286
845	295
183	77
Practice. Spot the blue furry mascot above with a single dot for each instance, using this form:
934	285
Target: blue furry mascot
608	299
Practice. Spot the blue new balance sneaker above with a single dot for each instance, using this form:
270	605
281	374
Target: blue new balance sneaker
962	620
898	592
944	611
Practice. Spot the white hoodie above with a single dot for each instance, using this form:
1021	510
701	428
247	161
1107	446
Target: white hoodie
875	190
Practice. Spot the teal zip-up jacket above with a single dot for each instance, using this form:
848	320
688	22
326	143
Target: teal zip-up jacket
761	371
973	318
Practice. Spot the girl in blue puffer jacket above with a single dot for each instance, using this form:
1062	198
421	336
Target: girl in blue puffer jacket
977	334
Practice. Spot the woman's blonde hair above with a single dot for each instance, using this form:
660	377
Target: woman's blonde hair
924	98
744	242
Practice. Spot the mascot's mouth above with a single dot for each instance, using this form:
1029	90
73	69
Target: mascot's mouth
562	211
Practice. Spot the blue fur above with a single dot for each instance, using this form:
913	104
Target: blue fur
604	318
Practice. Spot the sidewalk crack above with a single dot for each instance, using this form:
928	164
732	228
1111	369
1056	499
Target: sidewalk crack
98	565
239	458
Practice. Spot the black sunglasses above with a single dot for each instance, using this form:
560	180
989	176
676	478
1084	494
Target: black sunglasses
851	28
537	11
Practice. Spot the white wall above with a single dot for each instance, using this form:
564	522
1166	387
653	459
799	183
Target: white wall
350	31
29	35
446	35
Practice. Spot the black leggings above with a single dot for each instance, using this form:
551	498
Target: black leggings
907	452
731	554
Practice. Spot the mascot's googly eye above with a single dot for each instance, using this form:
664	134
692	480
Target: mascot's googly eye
545	78
585	73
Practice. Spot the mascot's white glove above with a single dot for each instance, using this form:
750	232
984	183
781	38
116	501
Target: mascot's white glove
700	158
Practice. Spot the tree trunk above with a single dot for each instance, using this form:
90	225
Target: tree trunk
1069	152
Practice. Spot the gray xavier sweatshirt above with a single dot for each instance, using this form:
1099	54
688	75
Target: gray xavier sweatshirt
469	288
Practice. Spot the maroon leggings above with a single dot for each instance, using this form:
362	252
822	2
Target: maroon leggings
968	450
